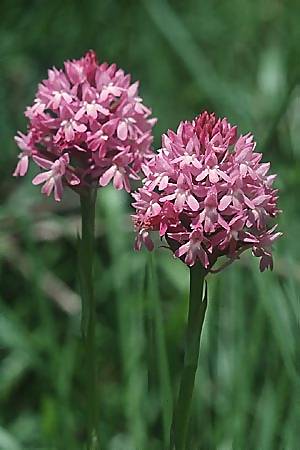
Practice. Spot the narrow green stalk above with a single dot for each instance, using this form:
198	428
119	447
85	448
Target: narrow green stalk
86	268
197	308
160	350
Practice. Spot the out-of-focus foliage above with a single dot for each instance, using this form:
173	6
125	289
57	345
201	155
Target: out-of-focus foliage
240	59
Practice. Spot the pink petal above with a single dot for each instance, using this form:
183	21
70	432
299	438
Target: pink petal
122	130
126	183
202	175
155	209
196	163
81	128
163	228
138	243
203	257
213	176
42	162
131	92
192	202
72	179
190	258
79	113
225	202
48	187
142	109
56	101
168	197
263	169
260	199
107	176
118	180
224	175
41	178
209	225
67	97
102	110
163	183
179	202
109	127
116	91
91	111
22	167
248	202
69	133
243	170
182	250
58	189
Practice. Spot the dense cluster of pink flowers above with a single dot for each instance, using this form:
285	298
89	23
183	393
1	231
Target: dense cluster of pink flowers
87	126
208	193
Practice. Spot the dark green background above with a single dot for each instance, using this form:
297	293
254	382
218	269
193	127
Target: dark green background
239	58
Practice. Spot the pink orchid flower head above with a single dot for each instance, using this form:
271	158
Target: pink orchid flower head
208	194
86	127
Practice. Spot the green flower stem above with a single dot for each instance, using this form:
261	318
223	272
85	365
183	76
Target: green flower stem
86	268
197	308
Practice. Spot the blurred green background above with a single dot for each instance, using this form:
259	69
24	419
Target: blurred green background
239	58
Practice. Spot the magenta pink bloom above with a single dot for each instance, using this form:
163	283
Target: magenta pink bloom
87	126
208	194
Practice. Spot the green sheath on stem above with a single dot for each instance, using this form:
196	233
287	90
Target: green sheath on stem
197	308
86	267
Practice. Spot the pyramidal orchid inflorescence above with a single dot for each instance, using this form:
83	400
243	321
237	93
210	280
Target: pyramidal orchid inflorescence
87	126
208	193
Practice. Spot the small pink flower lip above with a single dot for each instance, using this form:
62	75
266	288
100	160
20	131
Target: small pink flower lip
93	113
208	193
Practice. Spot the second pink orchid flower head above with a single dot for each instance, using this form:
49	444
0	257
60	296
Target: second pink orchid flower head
208	193
87	126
